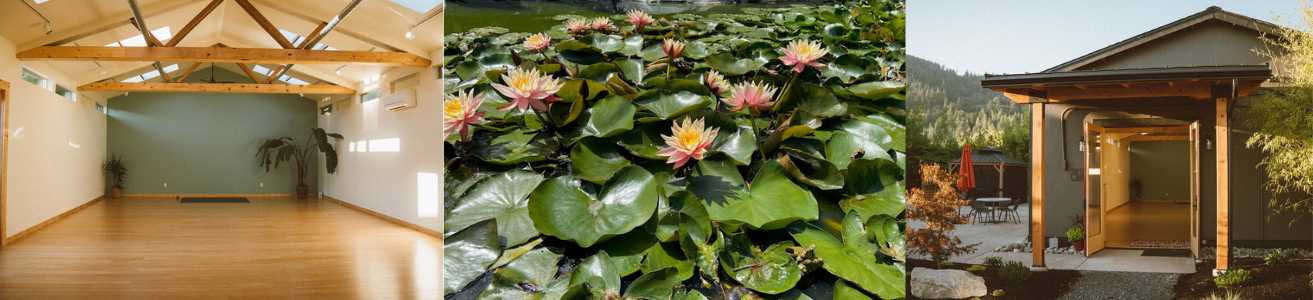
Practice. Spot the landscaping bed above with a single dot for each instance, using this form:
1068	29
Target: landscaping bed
1049	284
1289	280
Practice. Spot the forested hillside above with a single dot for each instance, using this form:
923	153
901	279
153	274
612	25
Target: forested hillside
948	108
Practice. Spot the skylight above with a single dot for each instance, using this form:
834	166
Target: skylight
40	1
152	74
163	34
421	6
297	39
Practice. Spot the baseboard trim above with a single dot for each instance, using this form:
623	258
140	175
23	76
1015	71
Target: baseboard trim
52	220
176	196
388	218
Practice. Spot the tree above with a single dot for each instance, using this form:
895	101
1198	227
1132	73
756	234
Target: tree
935	203
1283	119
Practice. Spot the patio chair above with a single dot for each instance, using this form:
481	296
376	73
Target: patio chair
978	208
1009	211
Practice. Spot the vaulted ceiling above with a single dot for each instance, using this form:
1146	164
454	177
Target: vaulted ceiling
375	25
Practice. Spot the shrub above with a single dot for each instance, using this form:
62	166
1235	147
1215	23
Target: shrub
994	262
1228	296
1278	256
1014	272
1232	277
1075	233
640	160
976	268
936	204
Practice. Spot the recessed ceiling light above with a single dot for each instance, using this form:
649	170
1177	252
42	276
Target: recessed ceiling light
410	35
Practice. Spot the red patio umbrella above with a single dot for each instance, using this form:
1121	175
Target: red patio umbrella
966	176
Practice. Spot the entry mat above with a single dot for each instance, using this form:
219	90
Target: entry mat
215	200
1167	252
1160	244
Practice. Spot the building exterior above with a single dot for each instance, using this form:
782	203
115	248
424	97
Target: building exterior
1143	141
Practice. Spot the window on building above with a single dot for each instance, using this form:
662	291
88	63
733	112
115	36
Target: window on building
37	79
66	93
163	34
101	108
421	6
152	74
297	39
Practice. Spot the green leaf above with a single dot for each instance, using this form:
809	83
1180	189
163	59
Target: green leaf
772	201
532	276
628	250
659	285
818	101
632	69
722	169
662	257
561	208
689	295
848	262
847	67
468	254
844	291
738	144
577	52
696	50
596	160
599	274
645	141
513	147
726	63
667	105
814	172
772	271
610	117
505	198
876	90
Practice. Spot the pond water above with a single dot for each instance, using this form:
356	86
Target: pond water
533	16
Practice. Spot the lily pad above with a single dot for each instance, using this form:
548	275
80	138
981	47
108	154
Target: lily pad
561	208
596	160
771	201
610	117
503	197
468	254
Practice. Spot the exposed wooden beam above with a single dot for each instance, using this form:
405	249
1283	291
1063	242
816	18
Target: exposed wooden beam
222	55
1157	138
195	21
1037	234
245	88
99	25
187	72
1180	129
265	24
291	10
273	74
249	73
306	43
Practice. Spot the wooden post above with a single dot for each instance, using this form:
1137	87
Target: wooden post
4	154
1223	154
1037	185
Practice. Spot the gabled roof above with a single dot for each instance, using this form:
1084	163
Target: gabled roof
1212	13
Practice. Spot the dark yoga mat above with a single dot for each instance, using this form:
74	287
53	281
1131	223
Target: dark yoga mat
1167	252
215	200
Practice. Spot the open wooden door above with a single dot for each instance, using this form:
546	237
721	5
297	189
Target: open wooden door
1194	189
4	155
1094	233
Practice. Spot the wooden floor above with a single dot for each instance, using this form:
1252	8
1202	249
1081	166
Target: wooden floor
267	249
1148	221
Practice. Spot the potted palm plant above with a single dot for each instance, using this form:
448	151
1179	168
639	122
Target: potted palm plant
118	173
277	150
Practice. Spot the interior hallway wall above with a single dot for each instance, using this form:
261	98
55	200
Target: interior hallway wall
205	143
56	146
391	161
1161	169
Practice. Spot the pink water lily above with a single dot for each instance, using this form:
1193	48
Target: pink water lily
601	24
537	42
715	82
460	112
801	54
673	49
576	26
528	88
686	141
755	96
640	19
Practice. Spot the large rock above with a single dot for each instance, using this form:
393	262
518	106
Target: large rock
946	284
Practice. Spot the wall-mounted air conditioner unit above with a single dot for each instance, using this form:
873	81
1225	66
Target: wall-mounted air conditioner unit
402	99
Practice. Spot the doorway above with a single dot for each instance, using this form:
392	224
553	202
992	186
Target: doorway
1141	187
4	157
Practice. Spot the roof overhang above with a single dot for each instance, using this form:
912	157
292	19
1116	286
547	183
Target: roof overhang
1177	82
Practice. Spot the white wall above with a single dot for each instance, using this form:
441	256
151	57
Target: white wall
56	147
406	184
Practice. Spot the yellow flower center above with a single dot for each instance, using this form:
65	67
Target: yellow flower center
453	109
806	50
688	139
521	83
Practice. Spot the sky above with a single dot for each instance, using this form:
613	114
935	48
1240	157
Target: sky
1027	36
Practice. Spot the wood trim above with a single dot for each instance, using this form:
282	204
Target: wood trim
52	220
1157	138
100	25
4	158
265	24
200	16
177	196
185	73
1223	153
249	73
222	55
388	218
301	14
192	87
1037	234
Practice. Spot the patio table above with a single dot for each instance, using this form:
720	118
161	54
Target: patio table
995	202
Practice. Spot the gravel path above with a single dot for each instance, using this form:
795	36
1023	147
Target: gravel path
1122	285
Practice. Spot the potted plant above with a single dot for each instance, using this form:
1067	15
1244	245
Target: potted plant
1076	235
118	173
276	150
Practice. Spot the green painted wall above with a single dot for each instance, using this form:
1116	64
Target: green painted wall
1162	170
205	143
